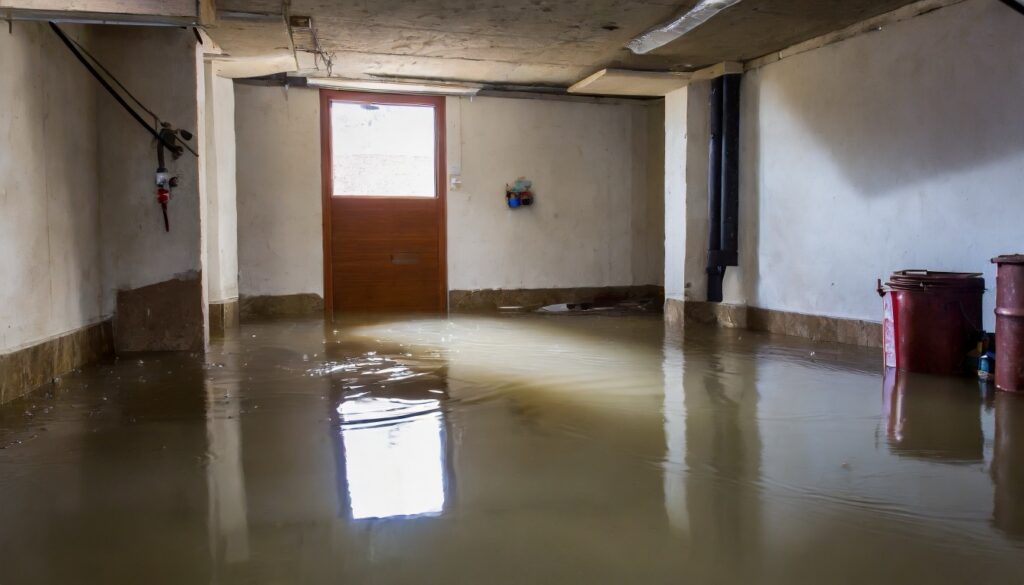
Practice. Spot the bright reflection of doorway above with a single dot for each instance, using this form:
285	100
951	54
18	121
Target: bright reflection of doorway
394	457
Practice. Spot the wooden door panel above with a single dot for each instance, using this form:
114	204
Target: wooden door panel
364	275
386	218
400	259
385	297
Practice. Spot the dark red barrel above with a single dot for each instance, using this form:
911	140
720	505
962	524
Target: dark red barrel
1010	322
932	320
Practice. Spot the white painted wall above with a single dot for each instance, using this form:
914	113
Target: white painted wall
594	222
164	70
219	171
902	148
649	214
78	216
597	222
280	232
50	277
697	156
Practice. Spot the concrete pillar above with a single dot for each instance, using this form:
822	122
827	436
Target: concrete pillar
153	278
686	209
221	202
675	195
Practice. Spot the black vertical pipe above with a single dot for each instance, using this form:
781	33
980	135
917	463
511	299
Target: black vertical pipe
723	181
729	243
715	112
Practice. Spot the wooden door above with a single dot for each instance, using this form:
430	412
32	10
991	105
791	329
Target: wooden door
384	251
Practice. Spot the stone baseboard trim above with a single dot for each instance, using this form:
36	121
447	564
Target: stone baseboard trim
26	369
490	300
223	317
296	305
813	327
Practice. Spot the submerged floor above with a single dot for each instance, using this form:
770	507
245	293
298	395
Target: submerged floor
523	449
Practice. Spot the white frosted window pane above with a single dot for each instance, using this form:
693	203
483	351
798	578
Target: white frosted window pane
382	150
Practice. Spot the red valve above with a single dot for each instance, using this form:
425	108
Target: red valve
162	197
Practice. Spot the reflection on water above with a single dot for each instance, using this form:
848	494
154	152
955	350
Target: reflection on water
933	417
225	478
510	449
940	418
394	456
1008	465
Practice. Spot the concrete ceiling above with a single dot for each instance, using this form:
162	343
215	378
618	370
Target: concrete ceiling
522	42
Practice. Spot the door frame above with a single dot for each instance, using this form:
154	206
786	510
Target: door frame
327	177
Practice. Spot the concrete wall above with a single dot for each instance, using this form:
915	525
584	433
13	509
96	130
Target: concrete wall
649	227
80	228
50	276
903	148
596	169
163	68
219	176
594	221
280	233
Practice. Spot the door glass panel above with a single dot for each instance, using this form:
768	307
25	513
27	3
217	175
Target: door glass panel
382	150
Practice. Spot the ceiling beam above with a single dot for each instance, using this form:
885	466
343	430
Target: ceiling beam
159	8
717	70
139	12
624	82
631	83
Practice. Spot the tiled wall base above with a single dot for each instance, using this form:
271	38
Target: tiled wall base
223	317
297	305
489	300
815	327
24	370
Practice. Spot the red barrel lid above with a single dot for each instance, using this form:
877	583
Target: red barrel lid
928	279
1009	259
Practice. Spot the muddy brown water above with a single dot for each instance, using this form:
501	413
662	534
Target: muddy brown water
510	449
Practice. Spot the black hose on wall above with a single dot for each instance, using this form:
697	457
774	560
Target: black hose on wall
723	181
715	271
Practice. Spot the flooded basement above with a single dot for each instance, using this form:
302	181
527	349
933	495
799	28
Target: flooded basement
510	449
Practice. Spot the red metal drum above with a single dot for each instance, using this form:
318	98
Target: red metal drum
932	320
1010	322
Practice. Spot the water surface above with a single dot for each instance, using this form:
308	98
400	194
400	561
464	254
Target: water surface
510	449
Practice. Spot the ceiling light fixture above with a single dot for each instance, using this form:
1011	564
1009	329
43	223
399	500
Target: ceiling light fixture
428	87
667	32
